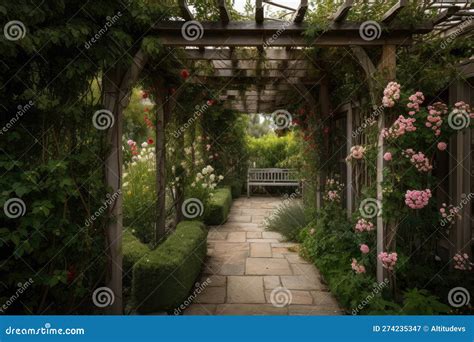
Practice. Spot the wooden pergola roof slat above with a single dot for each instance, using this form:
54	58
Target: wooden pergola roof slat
223	12
185	12
393	12
301	12
342	11
259	15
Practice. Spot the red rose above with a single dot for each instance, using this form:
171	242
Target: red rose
144	95
184	74
150	141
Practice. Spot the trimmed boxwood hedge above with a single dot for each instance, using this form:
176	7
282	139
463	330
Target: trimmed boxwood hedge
236	188
133	251
219	206
163	279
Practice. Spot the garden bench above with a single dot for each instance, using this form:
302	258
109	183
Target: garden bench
272	177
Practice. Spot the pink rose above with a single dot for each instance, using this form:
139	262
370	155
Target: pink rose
387	156
442	146
364	248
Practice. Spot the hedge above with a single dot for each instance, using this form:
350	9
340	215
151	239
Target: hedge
219	206
133	250
163	279
236	188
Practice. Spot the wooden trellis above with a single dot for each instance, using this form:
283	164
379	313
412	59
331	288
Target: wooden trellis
242	53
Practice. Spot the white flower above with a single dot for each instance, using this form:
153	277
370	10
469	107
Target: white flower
152	149
145	144
125	184
134	163
183	164
124	175
193	184
209	168
173	168
199	176
212	177
204	171
204	185
221	177
139	157
177	179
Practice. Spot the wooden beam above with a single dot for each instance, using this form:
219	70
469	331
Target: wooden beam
247	34
250	54
443	15
393	12
266	65
300	12
342	11
185	12
259	15
263	73
223	12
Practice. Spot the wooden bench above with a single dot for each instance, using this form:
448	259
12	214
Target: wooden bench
272	177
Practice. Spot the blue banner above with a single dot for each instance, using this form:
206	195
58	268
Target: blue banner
237	328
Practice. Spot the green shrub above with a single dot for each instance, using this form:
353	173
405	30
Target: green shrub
271	150
133	250
236	188
219	206
162	280
288	220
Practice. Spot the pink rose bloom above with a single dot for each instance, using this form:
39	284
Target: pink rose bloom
442	146
364	248
387	156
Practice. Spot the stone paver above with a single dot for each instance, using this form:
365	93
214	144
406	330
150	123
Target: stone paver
260	250
245	263
267	266
245	290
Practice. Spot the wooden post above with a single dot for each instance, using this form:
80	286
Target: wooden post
160	154
349	165
116	89
179	193
388	68
325	110
113	175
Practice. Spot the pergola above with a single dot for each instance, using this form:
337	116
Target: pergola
270	58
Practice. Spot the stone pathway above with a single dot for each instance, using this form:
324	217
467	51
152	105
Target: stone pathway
252	272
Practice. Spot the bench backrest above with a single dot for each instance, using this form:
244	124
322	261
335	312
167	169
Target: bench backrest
272	175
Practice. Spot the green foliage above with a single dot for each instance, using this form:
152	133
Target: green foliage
219	206
288	219
181	255
52	156
421	302
133	251
271	150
